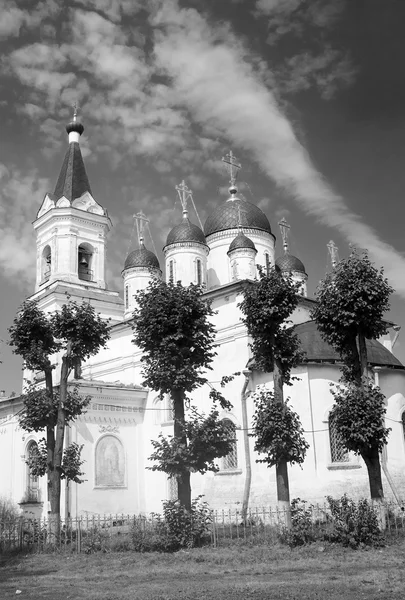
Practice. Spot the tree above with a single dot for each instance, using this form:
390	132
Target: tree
266	307
172	328
352	301
78	332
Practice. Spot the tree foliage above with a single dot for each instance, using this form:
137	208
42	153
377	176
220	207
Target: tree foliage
359	416
208	438
172	328
77	332
277	429
352	301
266	307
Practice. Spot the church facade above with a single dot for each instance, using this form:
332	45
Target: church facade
123	416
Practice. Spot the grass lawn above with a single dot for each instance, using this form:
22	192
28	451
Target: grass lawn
256	573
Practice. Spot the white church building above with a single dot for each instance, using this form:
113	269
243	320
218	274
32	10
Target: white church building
123	416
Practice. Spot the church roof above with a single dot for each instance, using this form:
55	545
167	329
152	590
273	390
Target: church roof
142	257
241	241
235	213
186	231
316	349
72	181
288	262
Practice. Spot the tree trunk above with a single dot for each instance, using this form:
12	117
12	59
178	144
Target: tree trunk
183	482
363	357
50	447
372	460
59	441
283	488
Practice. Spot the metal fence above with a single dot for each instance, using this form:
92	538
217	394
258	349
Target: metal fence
98	532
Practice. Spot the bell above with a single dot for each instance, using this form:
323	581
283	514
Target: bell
83	261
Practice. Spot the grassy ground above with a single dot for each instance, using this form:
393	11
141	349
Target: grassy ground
256	573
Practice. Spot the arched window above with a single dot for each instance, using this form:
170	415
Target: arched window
338	452
31	481
171	270
46	261
199	271
403	423
126	296
230	461
110	462
157	407
85	259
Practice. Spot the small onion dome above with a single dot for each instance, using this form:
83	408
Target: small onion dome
74	126
141	258
241	242
186	232
289	263
235	213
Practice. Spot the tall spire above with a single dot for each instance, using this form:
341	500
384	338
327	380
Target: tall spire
233	167
284	228
73	181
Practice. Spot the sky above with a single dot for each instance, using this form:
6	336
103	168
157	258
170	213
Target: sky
308	94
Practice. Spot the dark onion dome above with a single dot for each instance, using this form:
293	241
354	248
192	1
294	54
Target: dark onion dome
186	232
141	258
241	242
74	126
235	213
289	263
317	350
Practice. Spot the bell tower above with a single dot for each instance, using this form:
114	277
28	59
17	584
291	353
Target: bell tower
71	229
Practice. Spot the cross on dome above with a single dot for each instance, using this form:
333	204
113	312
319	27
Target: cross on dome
233	167
141	221
333	253
185	194
284	228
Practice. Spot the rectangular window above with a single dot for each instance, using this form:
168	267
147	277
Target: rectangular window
199	272
338	452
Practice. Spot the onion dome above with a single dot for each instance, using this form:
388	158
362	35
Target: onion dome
241	242
141	258
236	213
186	232
289	263
74	126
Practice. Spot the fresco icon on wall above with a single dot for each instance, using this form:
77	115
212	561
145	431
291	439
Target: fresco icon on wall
110	462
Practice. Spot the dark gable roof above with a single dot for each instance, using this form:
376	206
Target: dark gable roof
317	350
72	181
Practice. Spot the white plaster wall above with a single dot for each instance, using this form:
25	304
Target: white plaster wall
185	262
219	270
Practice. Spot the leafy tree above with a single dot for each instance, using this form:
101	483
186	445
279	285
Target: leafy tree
173	329
352	301
78	333
266	307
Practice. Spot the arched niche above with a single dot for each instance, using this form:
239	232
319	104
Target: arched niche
46	262
31	493
85	262
109	462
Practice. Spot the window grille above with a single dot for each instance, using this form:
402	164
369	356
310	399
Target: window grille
338	452
230	461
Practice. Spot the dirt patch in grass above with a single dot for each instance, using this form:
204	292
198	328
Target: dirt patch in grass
259	573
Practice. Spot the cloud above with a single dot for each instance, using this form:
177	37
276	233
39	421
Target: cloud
234	100
19	193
